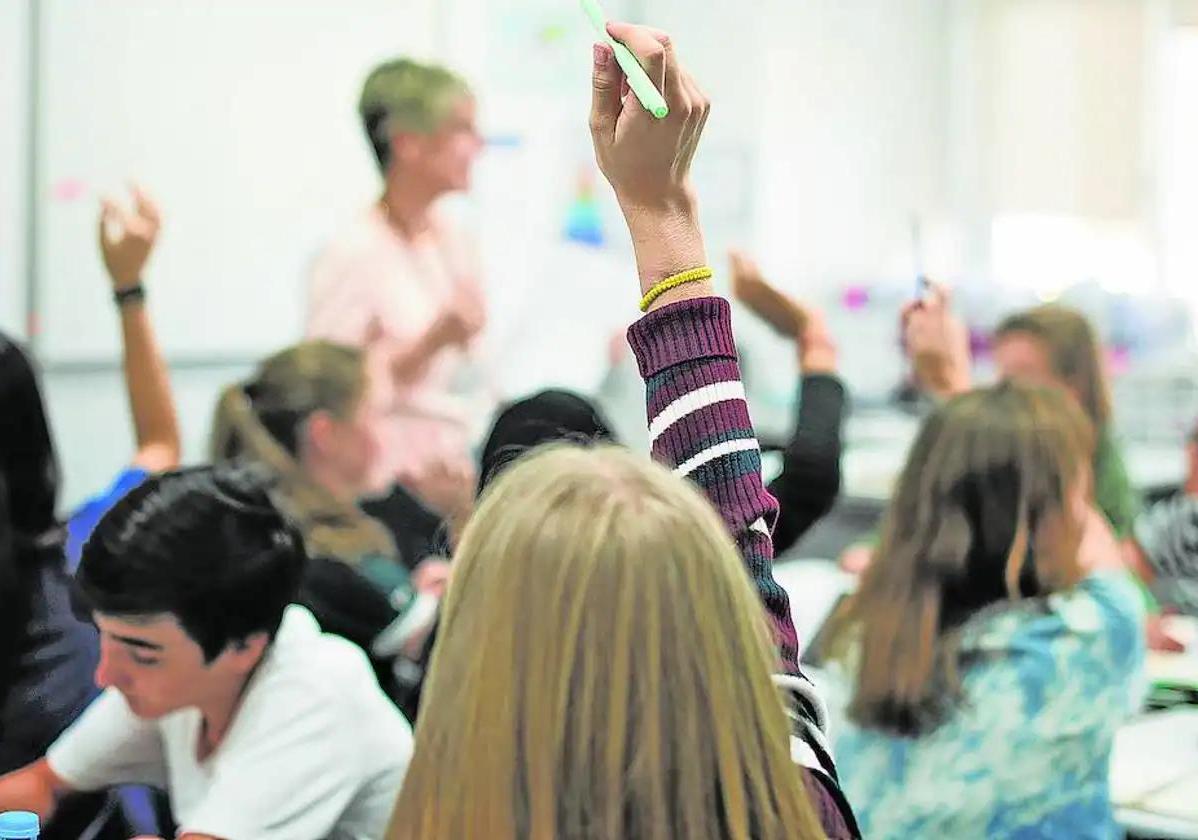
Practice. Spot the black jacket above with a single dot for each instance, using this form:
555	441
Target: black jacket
809	482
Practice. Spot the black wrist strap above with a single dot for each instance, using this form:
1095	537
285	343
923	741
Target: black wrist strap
133	294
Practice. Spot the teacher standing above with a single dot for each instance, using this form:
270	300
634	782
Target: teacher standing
400	281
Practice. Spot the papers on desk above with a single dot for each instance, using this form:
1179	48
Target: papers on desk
1154	765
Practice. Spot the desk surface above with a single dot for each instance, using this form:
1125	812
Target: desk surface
1146	824
1154	774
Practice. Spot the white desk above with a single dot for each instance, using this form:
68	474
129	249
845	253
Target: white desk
814	587
1154	775
1147	824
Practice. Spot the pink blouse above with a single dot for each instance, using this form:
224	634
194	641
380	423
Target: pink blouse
372	288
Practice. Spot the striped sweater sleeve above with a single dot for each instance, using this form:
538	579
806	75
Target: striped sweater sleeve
699	426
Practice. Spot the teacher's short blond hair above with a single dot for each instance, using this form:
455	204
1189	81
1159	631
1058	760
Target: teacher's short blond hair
406	95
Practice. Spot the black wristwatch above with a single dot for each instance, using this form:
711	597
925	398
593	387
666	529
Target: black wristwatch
133	294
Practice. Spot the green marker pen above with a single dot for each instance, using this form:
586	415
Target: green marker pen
638	80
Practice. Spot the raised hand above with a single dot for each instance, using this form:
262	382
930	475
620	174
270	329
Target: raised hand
937	343
750	287
647	161
788	317
127	236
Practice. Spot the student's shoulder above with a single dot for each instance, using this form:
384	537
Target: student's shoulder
1113	593
317	662
332	703
1107	611
317	673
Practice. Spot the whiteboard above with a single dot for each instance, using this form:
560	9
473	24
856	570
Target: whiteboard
241	118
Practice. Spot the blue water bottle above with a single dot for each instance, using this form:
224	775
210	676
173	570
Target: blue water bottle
19	825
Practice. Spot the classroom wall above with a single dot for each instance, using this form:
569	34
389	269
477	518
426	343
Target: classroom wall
94	434
1178	167
1184	12
14	22
1068	92
853	135
837	123
215	107
850	150
241	119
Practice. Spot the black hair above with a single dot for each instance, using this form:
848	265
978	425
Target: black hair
990	500
28	464
205	545
547	417
28	494
16	610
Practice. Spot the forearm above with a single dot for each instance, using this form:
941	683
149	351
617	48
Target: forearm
942	380
699	425
667	240
151	401
32	788
810	480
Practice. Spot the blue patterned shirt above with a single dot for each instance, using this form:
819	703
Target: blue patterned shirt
1027	754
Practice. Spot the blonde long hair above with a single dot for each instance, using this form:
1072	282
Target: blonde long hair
603	670
262	420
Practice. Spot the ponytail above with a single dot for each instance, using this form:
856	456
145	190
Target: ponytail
331	527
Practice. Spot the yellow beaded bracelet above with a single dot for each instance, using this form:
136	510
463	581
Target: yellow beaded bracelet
673	282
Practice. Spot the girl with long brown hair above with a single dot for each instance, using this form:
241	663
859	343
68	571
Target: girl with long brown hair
993	661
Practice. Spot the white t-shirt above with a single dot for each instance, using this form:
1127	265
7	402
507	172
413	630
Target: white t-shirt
316	749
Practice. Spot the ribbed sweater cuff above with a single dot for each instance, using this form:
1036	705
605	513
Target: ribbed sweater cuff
680	332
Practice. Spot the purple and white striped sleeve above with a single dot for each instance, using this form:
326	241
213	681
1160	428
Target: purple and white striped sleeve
699	426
